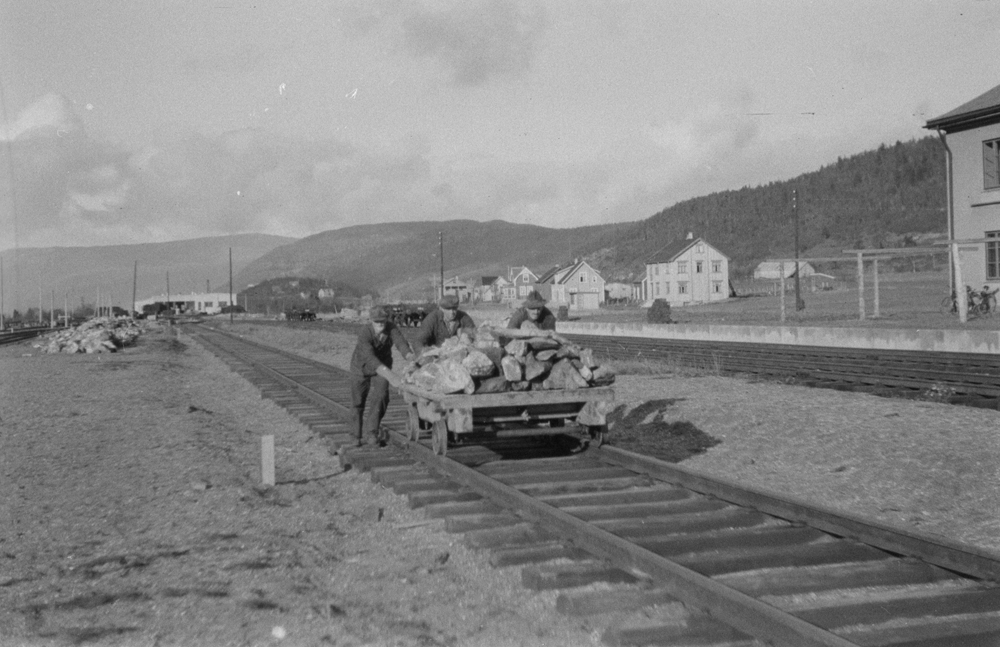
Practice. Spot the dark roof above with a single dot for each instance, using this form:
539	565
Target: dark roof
488	280
671	250
545	278
981	111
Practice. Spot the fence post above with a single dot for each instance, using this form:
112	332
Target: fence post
876	312
861	287
781	270
960	294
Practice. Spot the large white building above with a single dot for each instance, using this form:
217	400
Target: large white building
972	135
686	272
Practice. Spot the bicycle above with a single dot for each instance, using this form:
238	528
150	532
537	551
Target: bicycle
978	303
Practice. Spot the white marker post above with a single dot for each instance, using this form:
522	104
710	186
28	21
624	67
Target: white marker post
267	459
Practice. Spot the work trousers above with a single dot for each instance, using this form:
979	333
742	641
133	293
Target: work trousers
373	390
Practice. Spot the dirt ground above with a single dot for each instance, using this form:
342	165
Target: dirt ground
132	514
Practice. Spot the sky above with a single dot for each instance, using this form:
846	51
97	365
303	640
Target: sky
129	122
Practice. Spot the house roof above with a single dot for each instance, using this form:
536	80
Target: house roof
981	111
547	276
563	272
488	280
570	271
669	252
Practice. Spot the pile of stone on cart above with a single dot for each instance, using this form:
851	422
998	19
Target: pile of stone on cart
97	335
496	360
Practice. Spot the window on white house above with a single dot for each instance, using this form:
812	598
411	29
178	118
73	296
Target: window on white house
656	269
701	249
682	267
698	267
716	267
991	164
682	287
656	286
583	278
666	288
993	255
717	287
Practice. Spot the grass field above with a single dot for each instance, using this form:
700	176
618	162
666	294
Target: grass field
906	300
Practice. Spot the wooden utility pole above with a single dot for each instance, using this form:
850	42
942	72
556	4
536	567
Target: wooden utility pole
441	245
231	305
135	280
861	286
799	303
170	310
1	295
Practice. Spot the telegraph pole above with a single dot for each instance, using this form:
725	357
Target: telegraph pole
231	306
441	245
135	281
799	304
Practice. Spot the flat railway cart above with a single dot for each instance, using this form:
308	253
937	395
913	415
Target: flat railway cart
456	418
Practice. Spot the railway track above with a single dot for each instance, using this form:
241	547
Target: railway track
14	336
963	378
666	555
971	379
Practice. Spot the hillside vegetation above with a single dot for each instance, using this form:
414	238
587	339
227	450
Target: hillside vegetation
874	199
879	198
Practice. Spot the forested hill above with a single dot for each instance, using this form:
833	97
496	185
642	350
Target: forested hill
871	199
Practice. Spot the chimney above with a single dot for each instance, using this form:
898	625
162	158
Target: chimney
690	235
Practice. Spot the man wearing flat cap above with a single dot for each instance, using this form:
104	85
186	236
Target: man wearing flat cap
371	373
445	322
533	309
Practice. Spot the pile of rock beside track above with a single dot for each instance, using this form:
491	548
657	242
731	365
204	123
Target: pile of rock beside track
98	335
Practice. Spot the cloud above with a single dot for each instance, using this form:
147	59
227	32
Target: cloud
50	114
477	41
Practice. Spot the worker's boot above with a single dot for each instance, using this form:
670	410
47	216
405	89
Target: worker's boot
359	429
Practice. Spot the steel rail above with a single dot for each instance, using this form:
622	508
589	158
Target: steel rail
935	550
739	610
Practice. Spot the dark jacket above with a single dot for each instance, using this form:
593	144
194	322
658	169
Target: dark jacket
546	320
374	350
434	330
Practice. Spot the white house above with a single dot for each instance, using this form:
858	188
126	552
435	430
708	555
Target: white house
490	289
207	302
459	288
578	286
971	133
685	272
773	270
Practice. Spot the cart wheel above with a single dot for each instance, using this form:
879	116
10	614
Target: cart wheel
597	434
439	439
413	424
